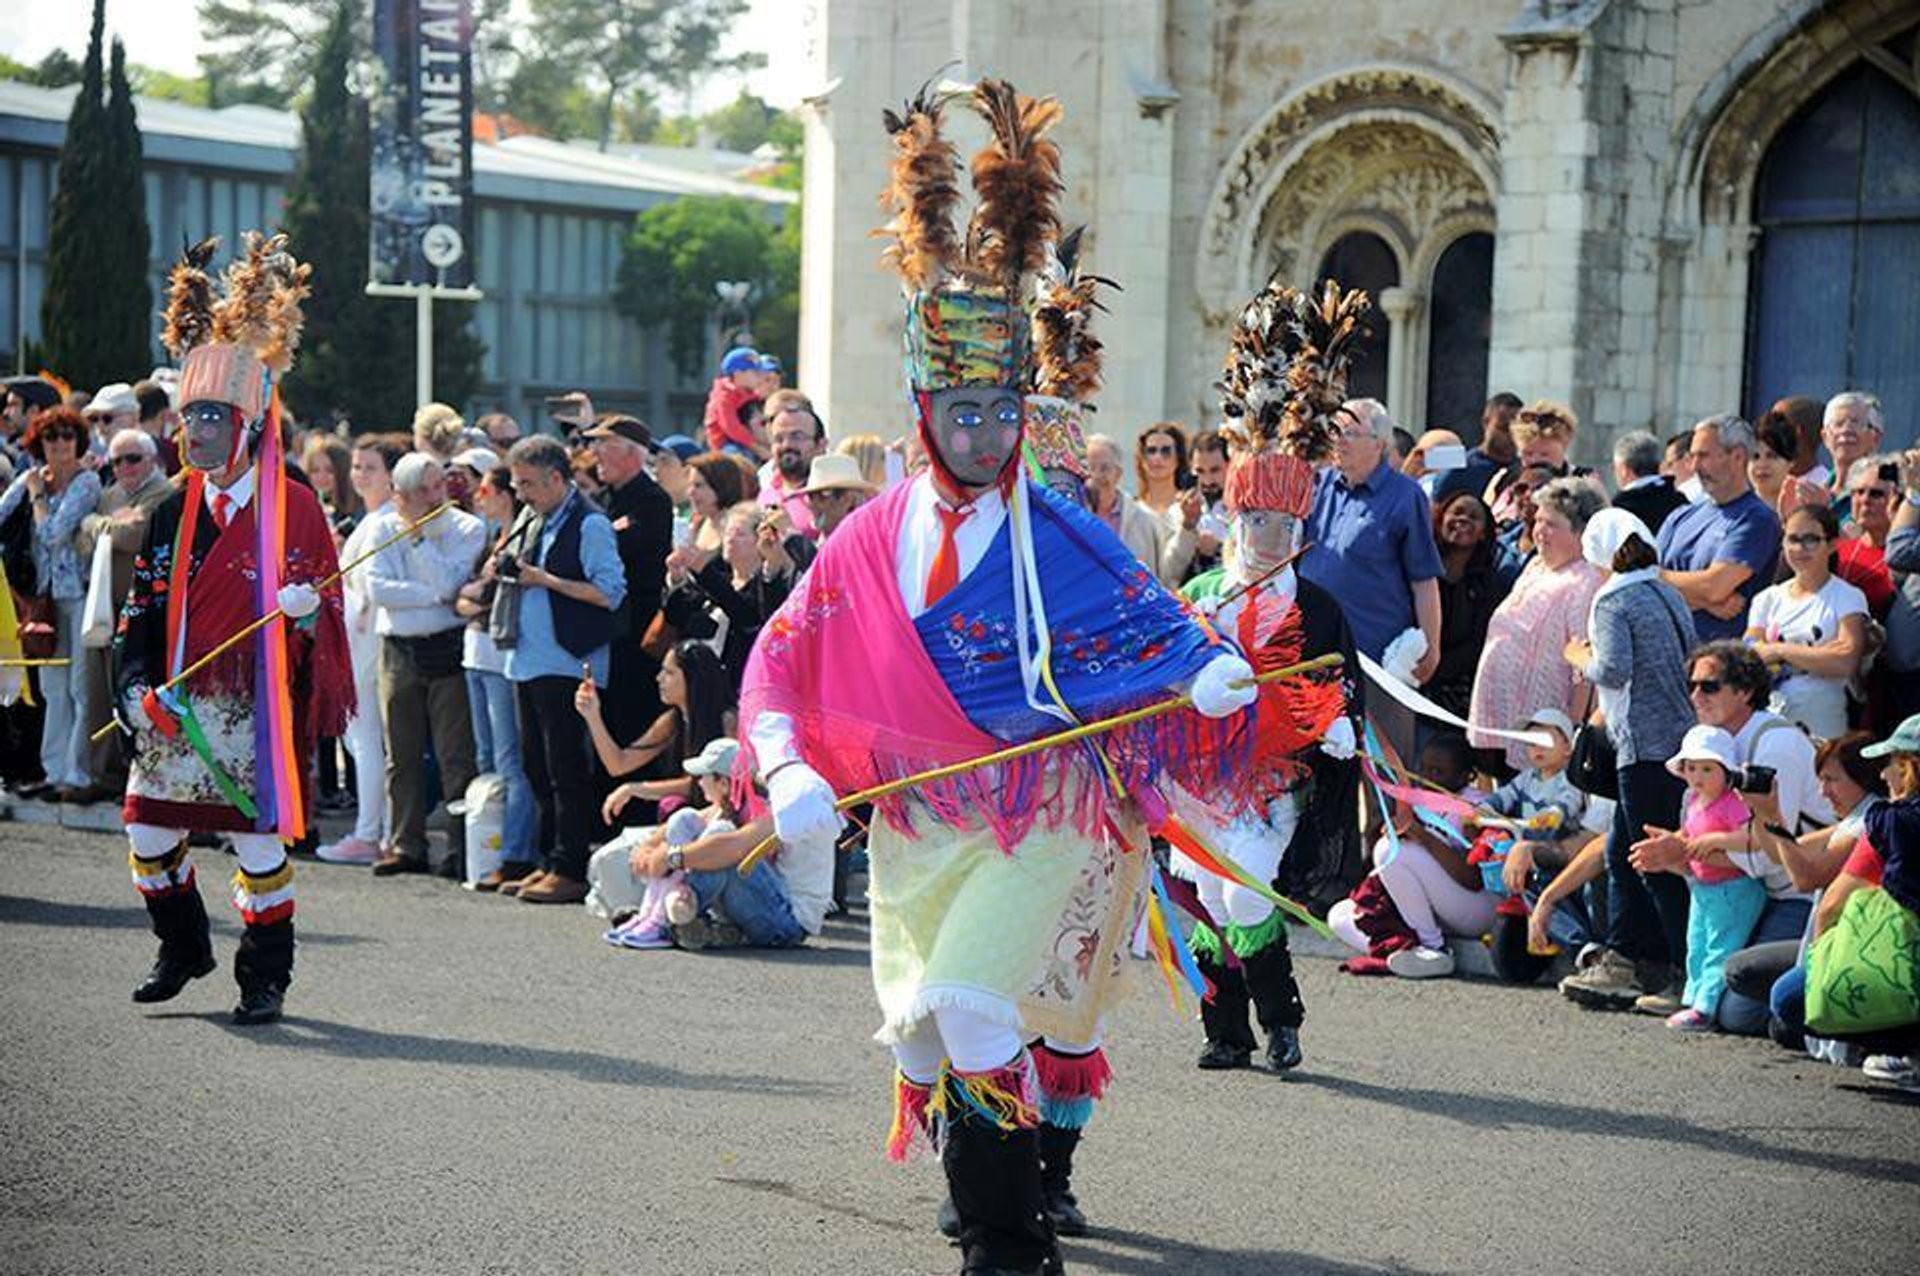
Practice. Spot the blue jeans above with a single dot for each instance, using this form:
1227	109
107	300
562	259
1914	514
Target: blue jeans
1782	921
756	903
496	748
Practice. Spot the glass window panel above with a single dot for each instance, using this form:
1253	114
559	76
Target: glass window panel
1461	329
36	182
10	166
1364	260
1799	343
1812	168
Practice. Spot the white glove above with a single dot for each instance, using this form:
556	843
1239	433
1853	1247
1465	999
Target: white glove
298	601
1338	742
802	803
1403	653
1213	691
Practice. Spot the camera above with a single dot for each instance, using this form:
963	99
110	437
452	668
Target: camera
1755	779
507	568
1890	473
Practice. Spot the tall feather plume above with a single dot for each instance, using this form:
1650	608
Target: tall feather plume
1285	376
1017	179
922	191
1067	356
290	285
189	318
241	316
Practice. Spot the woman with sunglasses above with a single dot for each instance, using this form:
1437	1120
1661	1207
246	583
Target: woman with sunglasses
1160	466
1811	629
56	494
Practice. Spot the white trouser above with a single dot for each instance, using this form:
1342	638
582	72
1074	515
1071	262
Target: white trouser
1256	845
366	740
259	853
972	1042
1430	901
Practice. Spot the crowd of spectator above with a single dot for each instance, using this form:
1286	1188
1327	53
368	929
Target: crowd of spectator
1655	692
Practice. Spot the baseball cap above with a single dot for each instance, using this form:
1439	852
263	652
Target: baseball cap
716	759
680	445
478	459
740	359
618	425
111	400
1905	739
1553	718
771	363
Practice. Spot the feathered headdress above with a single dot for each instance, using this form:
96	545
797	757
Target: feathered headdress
1282	388
228	344
965	319
1067	359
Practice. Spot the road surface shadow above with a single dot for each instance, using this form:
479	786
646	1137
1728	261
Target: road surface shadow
299	1032
1127	1253
1504	1112
24	910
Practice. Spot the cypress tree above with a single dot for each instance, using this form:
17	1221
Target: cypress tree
356	357
75	278
125	316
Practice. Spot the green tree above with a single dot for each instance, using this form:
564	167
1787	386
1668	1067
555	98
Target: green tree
95	316
259	51
623	45
356	357
54	71
675	255
153	82
744	124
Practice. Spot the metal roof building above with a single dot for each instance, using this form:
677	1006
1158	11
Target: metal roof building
551	217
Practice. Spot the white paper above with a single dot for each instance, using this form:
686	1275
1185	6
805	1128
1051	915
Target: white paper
1412	699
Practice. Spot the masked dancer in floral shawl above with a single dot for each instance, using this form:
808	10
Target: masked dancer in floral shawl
965	610
1282	388
224	751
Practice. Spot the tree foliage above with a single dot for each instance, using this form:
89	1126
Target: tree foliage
356	359
674	256
96	313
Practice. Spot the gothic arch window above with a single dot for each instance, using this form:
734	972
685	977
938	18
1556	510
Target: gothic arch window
1837	207
1362	259
1459	334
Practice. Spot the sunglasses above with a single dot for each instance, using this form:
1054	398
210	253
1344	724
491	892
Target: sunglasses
1706	686
72	436
1806	541
1160	449
121	462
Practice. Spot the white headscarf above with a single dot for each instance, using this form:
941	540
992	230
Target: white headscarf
1605	533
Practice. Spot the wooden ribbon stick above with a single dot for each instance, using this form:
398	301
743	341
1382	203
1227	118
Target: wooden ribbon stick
1071	735
53	662
247	631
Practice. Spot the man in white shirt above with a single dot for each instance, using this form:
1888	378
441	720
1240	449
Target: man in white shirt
423	687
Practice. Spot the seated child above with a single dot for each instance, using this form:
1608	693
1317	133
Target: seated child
1725	903
668	900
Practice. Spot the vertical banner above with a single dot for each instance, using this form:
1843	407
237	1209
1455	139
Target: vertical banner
421	192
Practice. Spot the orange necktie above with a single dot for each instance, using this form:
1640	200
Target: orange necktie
222	509
945	573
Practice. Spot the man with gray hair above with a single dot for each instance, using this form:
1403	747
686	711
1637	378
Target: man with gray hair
1852	428
423	685
1721	551
1643	490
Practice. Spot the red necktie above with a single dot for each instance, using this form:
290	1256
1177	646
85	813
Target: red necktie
222	509
945	573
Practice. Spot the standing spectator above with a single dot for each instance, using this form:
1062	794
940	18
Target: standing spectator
122	515
1851	428
423	689
1811	628
1493	455
1435	454
671	471
160	421
371	470
1873	492
112	409
1901	659
1721	551
1543	431
739	383
1804	417
466	470
798	435
1202	527
869	452
1641	489
1513	521
439	432
1520	671
1677	465
571	584
1771	469
1136	525
496	727
642	517
501	429
716	486
1636	659
1160	467
836	487
328	463
745	583
57	492
1372	541
1469	592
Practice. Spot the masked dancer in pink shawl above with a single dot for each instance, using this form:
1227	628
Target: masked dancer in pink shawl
962	611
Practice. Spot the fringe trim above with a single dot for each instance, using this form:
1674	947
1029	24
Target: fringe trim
911	1123
1204	940
171	874
1072	1076
1248	940
1068	1114
1007	1098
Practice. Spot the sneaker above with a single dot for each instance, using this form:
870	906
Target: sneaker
1421	963
1664	1003
641	932
349	850
1589	953
1690	1020
1610	983
701	933
1894	1068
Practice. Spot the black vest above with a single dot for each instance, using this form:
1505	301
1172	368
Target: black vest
582	628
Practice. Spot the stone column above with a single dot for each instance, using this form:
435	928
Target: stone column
1403	308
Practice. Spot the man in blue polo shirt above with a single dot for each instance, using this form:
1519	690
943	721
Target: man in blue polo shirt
1372	541
1721	551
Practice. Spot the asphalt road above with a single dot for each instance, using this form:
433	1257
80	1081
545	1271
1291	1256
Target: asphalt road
467	1084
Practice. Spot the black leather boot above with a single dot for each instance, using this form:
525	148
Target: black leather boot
993	1179
1230	1039
186	945
263	967
1276	1002
1057	1144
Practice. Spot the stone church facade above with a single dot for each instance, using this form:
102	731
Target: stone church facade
1652	209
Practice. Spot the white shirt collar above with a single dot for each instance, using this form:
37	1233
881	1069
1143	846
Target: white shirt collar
240	493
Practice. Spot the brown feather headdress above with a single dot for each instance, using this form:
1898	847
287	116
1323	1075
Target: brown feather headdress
227	343
1017	179
1066	354
189	318
923	189
1282	388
